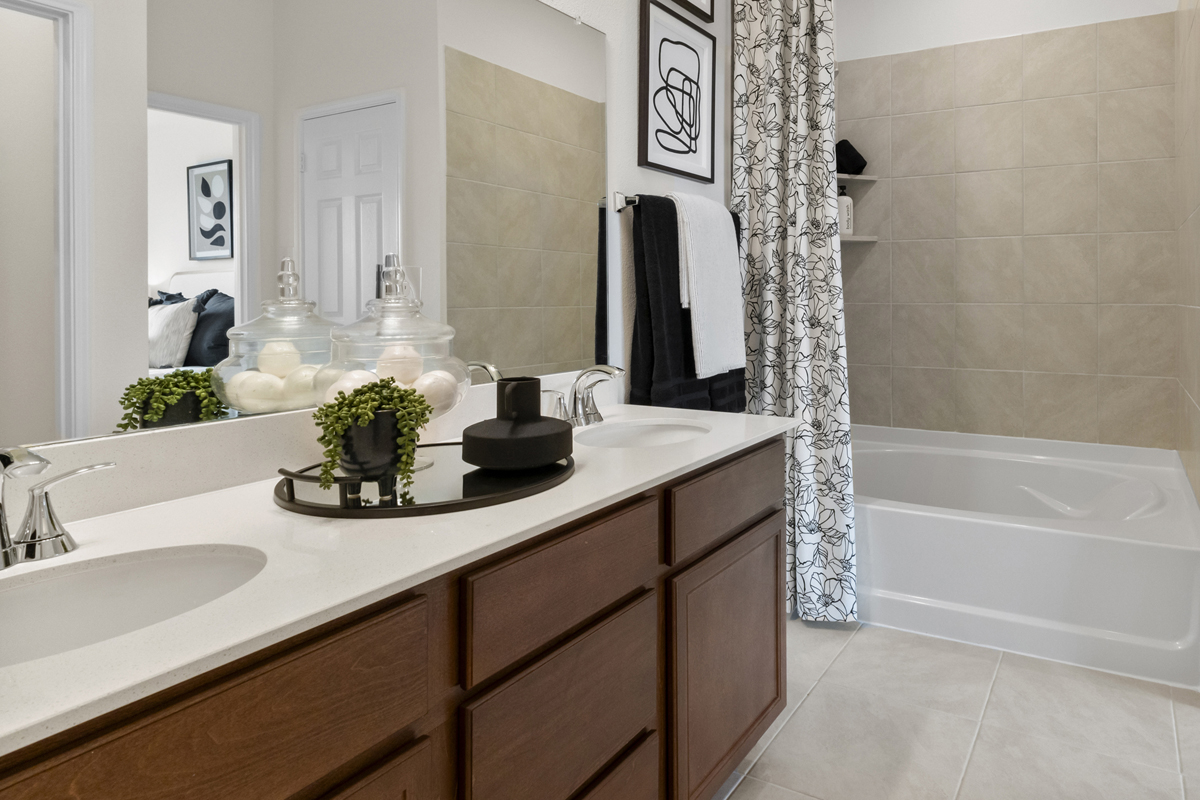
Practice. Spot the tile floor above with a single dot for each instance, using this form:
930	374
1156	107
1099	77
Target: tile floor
878	714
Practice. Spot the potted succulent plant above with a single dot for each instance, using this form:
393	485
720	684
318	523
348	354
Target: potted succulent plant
372	432
176	398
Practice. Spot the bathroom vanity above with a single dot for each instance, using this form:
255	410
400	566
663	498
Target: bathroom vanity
619	636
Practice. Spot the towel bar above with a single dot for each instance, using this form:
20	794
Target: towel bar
623	201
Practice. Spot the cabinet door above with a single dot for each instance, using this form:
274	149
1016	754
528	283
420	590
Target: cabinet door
728	679
407	776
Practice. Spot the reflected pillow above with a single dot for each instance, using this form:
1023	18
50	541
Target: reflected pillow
210	341
170	298
171	328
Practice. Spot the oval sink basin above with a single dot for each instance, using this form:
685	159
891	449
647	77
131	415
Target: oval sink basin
641	433
63	608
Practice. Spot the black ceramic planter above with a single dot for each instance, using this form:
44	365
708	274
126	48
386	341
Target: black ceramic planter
186	411
370	452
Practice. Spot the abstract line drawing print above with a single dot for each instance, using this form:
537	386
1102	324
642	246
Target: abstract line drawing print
677	101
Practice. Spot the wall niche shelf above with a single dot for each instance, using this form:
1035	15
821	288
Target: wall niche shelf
843	177
859	239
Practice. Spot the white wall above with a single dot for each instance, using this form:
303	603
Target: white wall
28	266
866	28
174	143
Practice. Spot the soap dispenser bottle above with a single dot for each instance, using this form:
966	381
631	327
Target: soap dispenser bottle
845	213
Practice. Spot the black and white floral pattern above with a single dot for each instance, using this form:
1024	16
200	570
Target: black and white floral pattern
785	188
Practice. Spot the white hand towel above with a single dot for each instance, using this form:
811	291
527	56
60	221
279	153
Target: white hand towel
710	284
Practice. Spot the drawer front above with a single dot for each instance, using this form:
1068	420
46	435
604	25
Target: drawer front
408	776
548	730
518	605
710	506
268	733
634	778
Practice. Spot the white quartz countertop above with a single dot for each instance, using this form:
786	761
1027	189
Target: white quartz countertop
316	569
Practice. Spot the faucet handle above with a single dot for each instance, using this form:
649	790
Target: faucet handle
42	534
560	404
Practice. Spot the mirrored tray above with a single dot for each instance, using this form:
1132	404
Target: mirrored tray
448	484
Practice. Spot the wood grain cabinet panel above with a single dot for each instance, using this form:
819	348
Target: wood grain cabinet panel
635	777
548	730
728	673
516	606
408	776
710	506
268	733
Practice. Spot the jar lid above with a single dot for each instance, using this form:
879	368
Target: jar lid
289	316
395	317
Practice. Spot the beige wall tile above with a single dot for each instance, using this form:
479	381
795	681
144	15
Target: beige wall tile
923	144
923	398
474	333
872	138
867	273
1060	200
988	137
1060	269
923	271
864	88
1061	130
923	81
517	160
470	148
560	279
593	183
470	276
869	333
987	72
561	113
559	223
518	101
518	278
1137	123
587	279
1060	62
923	335
1138	340
1137	196
587	329
872	208
470	85
562	170
471	210
988	336
521	220
1137	267
562	336
1140	412
1137	52
989	402
1189	354
988	270
923	208
518	335
592	126
870	395
1060	338
1061	407
587	225
1189	440
988	203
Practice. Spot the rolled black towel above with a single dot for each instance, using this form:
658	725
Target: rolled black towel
849	160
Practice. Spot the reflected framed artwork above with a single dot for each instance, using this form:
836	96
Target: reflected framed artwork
676	98
210	210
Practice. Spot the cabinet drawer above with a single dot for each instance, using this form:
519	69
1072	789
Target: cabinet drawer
545	732
408	776
514	607
634	778
716	503
267	733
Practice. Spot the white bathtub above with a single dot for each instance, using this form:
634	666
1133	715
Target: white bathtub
1083	553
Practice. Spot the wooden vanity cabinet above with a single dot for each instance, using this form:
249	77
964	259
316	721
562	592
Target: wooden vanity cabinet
636	654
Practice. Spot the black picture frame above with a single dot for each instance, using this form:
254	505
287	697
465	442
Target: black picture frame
216	240
694	8
651	156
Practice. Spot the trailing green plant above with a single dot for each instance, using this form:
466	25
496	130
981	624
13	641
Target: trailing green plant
358	408
149	398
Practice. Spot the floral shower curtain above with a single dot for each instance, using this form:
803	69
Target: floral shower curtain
785	189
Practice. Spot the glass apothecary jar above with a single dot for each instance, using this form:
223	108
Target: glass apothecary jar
273	358
395	340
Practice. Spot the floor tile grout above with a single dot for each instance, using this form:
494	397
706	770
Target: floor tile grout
1175	732
962	776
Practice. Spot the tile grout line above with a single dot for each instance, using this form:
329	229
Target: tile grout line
1175	732
978	727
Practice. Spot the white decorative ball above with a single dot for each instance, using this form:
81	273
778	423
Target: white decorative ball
439	388
326	377
259	392
402	362
298	387
349	382
233	387
278	358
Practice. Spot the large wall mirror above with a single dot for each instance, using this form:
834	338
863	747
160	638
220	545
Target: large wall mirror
466	135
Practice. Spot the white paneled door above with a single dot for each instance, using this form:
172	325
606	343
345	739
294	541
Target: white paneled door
350	171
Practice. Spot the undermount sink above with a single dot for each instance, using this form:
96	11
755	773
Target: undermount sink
62	608
641	433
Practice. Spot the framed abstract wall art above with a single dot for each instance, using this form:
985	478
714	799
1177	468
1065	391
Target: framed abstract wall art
210	210
701	8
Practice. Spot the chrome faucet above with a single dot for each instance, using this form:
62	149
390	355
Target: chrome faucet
490	369
582	403
15	462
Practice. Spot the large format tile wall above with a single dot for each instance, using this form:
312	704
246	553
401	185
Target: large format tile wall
1187	146
525	174
1025	279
